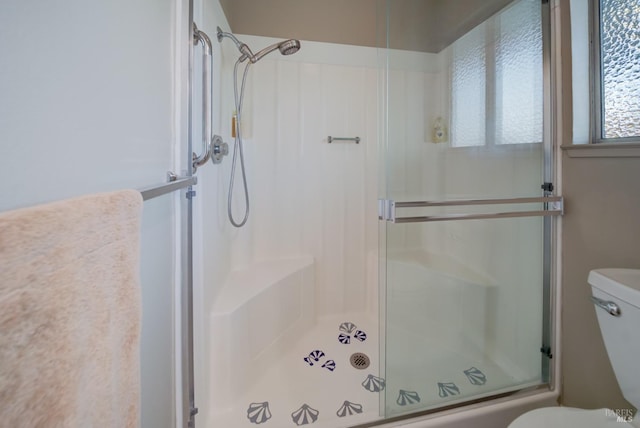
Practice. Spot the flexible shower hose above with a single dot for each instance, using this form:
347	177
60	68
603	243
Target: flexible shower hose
238	147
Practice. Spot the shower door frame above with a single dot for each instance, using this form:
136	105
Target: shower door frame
550	53
185	347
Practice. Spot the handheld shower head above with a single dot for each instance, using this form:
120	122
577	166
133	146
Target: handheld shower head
287	47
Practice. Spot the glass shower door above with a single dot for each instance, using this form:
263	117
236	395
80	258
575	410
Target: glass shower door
466	232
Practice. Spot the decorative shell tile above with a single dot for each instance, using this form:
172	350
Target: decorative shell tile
344	338
475	376
407	397
347	327
360	335
329	365
373	383
258	413
313	356
316	355
446	389
348	408
305	415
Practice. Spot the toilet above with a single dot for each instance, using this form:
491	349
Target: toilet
616	298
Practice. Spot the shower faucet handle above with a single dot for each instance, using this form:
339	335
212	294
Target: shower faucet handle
219	149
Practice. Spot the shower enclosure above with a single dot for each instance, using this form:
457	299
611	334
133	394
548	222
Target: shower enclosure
399	255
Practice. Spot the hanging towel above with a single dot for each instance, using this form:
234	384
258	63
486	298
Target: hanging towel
70	313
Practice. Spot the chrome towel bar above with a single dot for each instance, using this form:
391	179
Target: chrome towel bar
331	139
173	183
466	202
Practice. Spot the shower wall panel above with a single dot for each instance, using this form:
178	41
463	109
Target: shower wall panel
419	84
310	197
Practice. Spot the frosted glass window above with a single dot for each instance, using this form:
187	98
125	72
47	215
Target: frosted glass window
620	68
468	86
497	79
519	81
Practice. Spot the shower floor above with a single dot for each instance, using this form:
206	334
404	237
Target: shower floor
293	383
315	383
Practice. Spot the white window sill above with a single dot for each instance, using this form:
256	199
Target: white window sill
602	150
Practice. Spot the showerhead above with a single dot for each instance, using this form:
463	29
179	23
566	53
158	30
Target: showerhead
288	47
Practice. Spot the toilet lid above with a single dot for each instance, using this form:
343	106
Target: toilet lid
563	417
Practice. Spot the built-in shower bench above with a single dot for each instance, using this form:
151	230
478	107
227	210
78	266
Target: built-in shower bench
257	314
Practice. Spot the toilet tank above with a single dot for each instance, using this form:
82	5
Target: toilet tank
621	333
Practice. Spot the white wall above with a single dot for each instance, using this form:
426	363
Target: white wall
86	100
311	197
89	104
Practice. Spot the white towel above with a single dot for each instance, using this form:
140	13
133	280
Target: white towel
70	313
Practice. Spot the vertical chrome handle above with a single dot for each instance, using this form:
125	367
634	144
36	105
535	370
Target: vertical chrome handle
607	305
207	62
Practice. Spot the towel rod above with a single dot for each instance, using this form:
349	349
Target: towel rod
387	209
448	217
463	202
331	139
173	183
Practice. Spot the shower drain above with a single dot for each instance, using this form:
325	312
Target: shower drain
359	361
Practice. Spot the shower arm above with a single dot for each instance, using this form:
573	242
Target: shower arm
243	48
263	52
207	61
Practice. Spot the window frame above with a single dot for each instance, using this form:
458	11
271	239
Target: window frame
596	81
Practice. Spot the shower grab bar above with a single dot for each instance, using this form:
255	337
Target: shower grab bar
387	209
331	139
207	63
173	183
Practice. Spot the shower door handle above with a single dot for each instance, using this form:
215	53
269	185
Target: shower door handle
387	209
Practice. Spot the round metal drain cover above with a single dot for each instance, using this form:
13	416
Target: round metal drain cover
359	361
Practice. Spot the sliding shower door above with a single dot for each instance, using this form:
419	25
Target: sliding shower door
465	214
